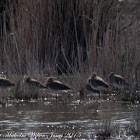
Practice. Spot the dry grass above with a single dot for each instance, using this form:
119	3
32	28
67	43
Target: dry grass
75	37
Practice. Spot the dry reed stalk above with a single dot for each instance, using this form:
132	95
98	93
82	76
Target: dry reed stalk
95	36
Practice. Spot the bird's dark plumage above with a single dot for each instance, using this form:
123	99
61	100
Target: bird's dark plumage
6	82
34	83
56	85
97	83
118	81
90	89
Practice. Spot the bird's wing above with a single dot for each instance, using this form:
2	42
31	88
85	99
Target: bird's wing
119	79
55	81
59	85
99	79
100	82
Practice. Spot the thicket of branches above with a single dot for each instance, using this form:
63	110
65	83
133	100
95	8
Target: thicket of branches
44	36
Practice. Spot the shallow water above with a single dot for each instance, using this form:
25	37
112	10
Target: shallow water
74	118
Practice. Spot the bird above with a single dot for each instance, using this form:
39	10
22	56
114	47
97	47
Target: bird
4	82
34	83
90	89
97	83
118	81
56	85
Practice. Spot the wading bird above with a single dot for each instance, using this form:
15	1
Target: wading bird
88	90
56	85
91	90
4	82
118	81
97	83
34	83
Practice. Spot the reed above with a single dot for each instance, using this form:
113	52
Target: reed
74	37
106	130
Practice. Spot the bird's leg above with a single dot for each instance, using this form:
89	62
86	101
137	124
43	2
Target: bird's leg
99	95
56	97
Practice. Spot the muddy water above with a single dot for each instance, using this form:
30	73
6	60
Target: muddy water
74	118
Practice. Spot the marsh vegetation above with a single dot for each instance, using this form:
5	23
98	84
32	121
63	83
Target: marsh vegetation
68	40
70	37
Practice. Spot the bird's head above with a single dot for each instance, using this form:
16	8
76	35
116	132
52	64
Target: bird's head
93	75
28	79
111	73
50	80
